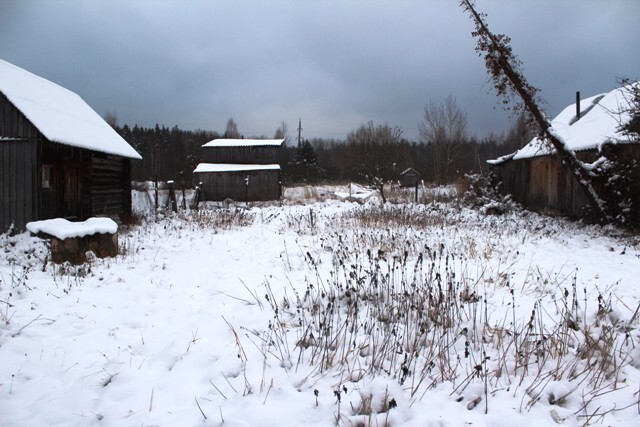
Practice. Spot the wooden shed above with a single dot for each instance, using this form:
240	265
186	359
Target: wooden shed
58	157
410	178
594	128
240	169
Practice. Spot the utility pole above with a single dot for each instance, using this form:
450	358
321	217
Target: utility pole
299	132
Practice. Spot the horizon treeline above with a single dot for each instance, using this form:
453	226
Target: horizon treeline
173	154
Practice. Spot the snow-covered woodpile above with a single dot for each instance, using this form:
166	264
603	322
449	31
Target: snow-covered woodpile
71	241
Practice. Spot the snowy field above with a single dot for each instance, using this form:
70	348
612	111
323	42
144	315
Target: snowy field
326	310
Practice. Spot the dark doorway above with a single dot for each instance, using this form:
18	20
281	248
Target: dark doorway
71	190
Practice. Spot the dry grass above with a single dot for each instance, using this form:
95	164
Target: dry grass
400	308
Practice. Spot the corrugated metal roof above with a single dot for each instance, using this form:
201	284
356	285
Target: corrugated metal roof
244	142
228	167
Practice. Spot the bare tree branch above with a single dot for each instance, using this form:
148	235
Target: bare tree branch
376	152
445	127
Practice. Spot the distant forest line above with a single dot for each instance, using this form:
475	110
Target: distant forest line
173	154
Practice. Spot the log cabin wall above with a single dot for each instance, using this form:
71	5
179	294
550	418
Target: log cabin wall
62	196
108	186
84	184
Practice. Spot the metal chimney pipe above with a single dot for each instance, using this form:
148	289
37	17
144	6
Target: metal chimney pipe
577	105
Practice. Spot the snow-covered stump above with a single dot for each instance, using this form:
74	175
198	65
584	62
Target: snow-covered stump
70	241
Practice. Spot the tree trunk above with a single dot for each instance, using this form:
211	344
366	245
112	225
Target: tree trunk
499	47
381	190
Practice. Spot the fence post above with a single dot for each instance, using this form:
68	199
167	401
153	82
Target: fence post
155	208
196	199
172	197
184	196
246	188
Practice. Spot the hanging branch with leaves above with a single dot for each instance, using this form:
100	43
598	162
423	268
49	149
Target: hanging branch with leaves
504	70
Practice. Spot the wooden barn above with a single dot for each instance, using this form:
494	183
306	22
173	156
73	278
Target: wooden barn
58	157
410	178
594	128
240	169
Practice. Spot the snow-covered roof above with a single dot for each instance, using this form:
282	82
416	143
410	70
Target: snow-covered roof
408	170
63	229
59	114
243	142
228	167
600	122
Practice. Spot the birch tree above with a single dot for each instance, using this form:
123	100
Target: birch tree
231	131
282	133
445	127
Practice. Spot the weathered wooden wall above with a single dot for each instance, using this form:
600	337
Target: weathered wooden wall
542	183
18	195
242	155
263	185
18	167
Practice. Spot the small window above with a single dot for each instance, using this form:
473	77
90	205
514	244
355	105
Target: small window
46	176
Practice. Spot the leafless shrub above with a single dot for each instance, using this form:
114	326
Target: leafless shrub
222	218
478	192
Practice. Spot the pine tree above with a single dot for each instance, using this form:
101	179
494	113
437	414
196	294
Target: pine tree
306	167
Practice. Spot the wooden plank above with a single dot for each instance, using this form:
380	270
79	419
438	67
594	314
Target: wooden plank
20	176
16	160
5	170
13	190
19	163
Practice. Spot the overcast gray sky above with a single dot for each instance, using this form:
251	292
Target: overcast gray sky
334	64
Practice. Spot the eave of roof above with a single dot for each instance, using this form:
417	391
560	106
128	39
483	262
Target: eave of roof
243	142
60	114
232	167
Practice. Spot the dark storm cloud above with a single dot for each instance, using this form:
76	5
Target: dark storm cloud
335	64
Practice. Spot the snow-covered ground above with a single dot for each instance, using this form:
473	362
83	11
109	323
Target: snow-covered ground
326	312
